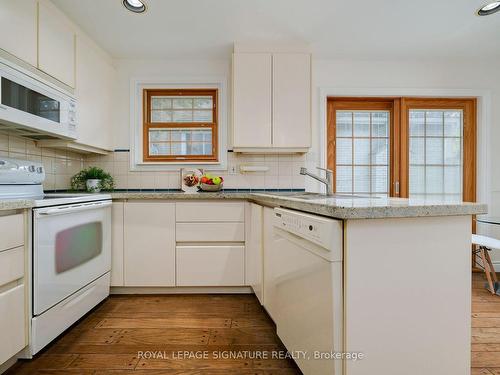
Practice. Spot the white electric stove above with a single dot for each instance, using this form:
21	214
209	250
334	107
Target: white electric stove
70	255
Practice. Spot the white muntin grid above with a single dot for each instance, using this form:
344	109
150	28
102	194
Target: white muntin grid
372	161
436	153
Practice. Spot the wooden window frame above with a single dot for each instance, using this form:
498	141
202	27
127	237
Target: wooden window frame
147	125
399	135
367	104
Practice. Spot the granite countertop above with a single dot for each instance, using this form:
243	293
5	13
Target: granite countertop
339	207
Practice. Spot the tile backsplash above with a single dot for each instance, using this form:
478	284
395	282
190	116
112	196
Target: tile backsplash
283	172
59	165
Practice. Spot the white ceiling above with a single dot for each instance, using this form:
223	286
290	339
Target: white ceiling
362	29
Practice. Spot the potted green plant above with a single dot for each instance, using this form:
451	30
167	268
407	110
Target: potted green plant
92	179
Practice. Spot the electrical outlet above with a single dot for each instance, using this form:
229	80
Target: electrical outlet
233	169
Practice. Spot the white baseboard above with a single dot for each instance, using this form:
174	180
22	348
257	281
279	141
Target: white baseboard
182	290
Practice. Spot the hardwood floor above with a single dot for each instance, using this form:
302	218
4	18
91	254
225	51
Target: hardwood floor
110	339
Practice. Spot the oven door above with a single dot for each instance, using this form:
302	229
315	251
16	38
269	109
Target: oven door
71	248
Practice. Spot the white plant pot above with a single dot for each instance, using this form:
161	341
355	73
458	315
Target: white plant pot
94	185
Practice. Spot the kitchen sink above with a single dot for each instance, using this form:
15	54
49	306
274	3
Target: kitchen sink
313	196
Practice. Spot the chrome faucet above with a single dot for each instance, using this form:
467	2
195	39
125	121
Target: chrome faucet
328	181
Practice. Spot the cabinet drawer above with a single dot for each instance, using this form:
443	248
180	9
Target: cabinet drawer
12	322
12	227
11	265
211	232
210	265
209	211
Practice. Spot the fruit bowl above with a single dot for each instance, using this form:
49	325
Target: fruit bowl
207	187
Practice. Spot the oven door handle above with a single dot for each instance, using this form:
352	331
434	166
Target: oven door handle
74	208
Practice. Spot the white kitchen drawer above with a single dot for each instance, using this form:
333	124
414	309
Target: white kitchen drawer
12	227
210	232
209	211
11	265
12	322
210	265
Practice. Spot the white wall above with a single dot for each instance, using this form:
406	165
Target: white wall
405	75
283	170
419	76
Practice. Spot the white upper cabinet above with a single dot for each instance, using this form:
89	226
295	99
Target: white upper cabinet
18	31
271	102
291	100
252	110
94	84
56	44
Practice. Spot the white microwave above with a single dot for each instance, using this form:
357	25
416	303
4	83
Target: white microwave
34	106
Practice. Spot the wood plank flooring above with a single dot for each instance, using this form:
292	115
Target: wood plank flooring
109	339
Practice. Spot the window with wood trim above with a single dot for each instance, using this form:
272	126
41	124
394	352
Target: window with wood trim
403	147
180	125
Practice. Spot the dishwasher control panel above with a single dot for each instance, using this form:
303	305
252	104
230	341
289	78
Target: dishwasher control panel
322	231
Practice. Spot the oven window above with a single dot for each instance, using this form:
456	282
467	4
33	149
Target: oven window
24	99
77	245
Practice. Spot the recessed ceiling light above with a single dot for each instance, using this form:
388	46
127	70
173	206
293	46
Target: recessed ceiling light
136	6
489	9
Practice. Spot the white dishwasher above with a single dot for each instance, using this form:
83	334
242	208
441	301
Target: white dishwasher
303	287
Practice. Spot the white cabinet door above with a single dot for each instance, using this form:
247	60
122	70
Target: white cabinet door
149	243
18	31
117	244
94	91
252	100
269	257
291	100
12	322
211	265
253	249
56	44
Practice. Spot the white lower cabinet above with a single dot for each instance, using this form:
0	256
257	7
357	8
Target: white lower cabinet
117	244
149	243
270	256
210	265
12	322
253	245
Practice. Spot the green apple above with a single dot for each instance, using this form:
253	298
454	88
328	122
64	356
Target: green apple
217	180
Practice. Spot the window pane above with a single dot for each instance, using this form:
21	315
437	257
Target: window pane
453	123
344	151
183	116
434	150
180	142
436	154
202	116
203	103
380	124
362	151
379	179
362	124
417	155
344	124
417	180
159	149
159	135
158	102
453	180
161	116
344	180
182	103
434	123
362	156
380	149
417	123
362	179
434	180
